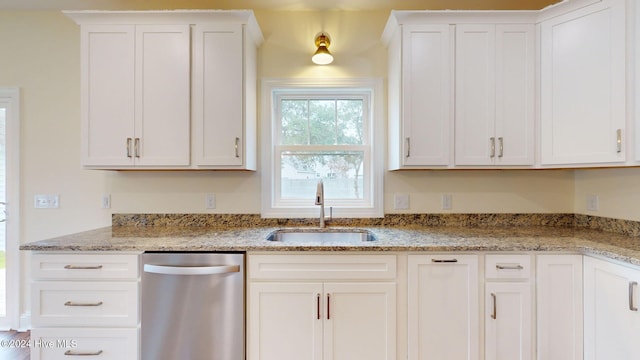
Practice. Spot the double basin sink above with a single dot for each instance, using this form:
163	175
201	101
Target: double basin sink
321	235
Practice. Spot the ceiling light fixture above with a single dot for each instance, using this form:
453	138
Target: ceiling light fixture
322	56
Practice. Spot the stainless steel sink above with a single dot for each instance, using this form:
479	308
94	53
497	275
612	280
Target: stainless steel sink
321	235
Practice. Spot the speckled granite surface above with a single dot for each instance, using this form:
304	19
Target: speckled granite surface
502	232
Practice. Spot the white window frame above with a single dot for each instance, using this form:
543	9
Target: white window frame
372	203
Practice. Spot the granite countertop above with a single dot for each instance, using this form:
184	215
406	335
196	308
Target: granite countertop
389	238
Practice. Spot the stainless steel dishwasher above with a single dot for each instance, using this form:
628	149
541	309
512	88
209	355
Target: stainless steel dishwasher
192	306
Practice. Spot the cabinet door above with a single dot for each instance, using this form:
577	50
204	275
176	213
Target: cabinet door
583	85
508	321
494	94
360	321
559	307
218	96
107	94
163	74
285	321
443	307
515	96
475	95
426	95
612	319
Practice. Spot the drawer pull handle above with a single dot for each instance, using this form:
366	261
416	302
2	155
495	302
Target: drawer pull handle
408	147
492	142
136	147
509	267
444	260
129	147
500	147
632	285
494	313
74	353
71	303
75	267
619	140
236	146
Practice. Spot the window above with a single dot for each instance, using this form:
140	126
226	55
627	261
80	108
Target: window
325	132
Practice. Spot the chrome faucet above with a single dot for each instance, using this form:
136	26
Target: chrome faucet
320	201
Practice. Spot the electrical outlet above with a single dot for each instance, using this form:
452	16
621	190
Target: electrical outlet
46	201
401	201
446	201
210	201
106	201
593	203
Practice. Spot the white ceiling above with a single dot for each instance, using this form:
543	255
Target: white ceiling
273	4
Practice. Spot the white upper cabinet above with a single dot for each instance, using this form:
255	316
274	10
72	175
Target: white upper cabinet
494	121
420	84
224	97
461	89
135	95
107	94
583	87
148	88
162	78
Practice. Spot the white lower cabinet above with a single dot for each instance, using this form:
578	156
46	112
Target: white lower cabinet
611	302
559	307
508	311
67	343
332	319
85	305
443	307
508	321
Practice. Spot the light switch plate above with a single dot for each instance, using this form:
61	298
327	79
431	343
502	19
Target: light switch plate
106	201
446	201
593	203
401	201
46	201
210	201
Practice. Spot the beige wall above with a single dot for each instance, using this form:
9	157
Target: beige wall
41	56
618	192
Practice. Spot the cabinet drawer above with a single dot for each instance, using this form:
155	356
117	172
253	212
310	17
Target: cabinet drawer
84	266
63	303
52	344
322	267
508	266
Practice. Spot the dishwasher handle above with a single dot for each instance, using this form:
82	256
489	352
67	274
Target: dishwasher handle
191	270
